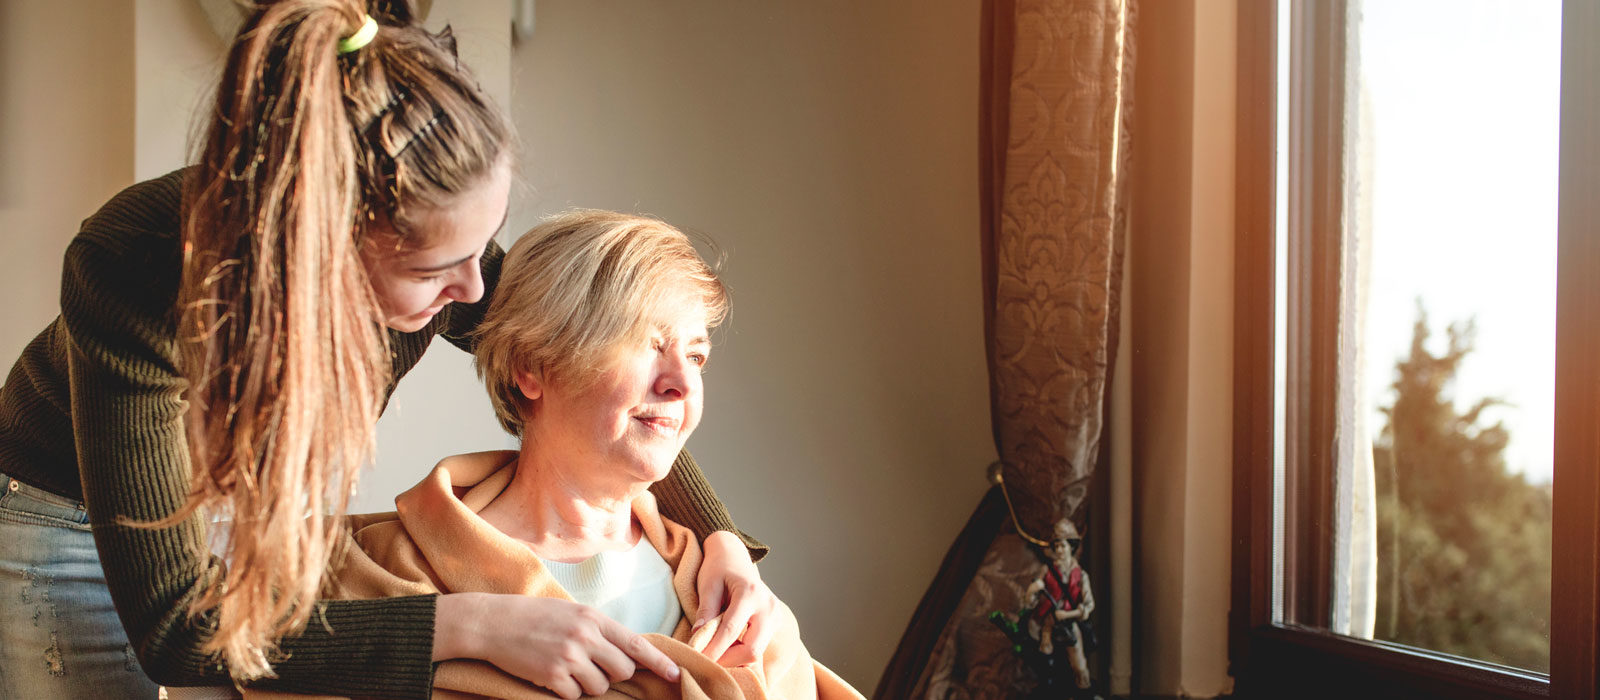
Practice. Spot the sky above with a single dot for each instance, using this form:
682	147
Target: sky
1463	98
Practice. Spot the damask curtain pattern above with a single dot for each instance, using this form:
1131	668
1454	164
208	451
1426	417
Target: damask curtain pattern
1053	247
1057	82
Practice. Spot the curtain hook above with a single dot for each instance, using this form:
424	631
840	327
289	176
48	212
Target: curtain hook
998	478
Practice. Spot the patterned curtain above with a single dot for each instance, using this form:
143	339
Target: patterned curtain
1057	82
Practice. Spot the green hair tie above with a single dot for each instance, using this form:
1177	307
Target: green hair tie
362	37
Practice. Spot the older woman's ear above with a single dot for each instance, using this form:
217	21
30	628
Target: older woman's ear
530	385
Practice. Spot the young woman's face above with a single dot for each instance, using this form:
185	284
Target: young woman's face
414	281
625	429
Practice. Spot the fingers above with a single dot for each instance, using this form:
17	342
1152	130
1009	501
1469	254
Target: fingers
613	661
759	633
573	650
726	635
746	646
742	604
565	687
740	654
726	563
591	679
639	650
712	594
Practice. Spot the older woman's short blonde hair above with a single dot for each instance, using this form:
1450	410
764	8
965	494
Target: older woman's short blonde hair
577	287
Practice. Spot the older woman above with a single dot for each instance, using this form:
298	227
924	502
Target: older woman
592	353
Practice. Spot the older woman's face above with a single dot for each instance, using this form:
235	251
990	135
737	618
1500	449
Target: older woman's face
629	424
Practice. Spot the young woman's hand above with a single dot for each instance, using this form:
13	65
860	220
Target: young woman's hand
567	648
730	585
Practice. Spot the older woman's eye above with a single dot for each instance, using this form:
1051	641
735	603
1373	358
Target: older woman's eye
699	359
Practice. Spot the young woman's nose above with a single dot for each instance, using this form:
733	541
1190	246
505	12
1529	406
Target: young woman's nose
468	286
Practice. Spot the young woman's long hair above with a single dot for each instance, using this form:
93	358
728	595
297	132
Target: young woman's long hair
284	346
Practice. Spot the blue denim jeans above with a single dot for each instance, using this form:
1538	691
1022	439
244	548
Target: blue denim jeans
59	634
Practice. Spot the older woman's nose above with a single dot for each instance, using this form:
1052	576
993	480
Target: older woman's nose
676	376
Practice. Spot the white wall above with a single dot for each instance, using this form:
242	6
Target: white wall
830	148
66	144
176	59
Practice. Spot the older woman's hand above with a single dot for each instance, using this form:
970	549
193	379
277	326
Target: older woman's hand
730	584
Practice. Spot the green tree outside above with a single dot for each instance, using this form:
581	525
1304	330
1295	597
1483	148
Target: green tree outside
1464	543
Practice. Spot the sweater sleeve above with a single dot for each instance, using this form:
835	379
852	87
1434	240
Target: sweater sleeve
127	418
685	495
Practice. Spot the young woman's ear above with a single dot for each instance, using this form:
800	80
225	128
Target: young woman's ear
531	386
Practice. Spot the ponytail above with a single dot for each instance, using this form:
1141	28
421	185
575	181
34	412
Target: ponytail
282	342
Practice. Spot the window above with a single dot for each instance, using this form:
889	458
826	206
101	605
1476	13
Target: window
1416	389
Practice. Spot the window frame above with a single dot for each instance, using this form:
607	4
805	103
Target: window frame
1272	659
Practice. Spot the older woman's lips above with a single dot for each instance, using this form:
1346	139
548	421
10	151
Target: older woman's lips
661	424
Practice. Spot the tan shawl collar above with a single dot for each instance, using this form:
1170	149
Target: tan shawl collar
436	542
436	538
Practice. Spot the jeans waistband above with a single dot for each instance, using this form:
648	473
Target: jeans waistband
23	498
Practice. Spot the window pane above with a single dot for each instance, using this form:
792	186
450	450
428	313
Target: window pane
1447	342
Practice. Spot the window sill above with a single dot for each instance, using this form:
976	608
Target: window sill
1293	661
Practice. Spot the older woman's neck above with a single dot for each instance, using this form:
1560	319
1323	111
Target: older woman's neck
563	512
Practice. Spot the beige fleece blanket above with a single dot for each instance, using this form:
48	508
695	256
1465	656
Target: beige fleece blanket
435	542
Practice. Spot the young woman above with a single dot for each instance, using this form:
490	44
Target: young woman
228	336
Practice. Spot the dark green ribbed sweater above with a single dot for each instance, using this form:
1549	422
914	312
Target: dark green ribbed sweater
93	410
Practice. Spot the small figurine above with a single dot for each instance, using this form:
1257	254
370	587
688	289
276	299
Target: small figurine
1055	618
1062	595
